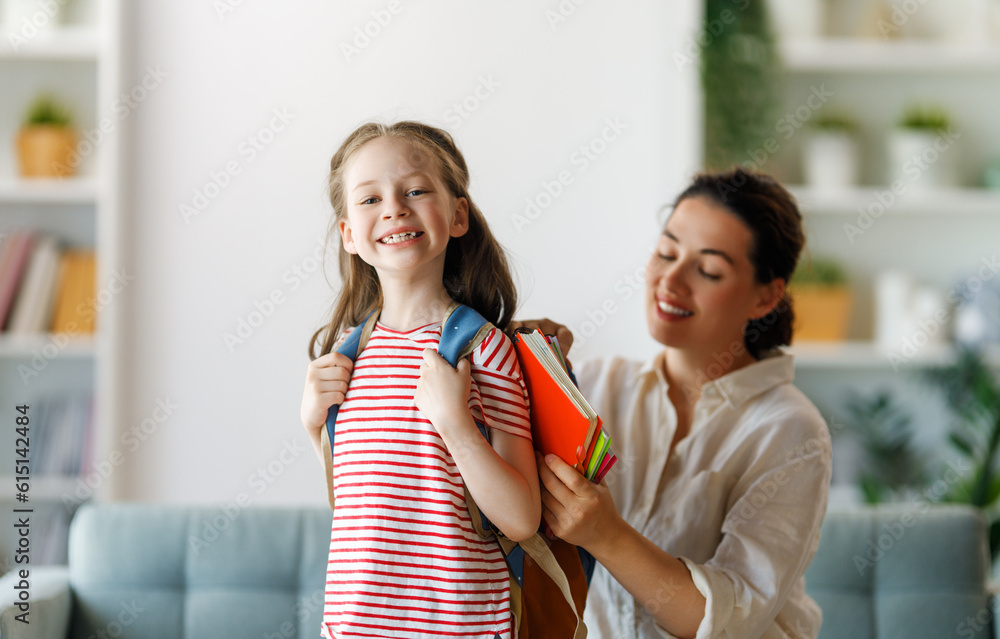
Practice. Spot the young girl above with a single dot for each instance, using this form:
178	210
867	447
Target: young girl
405	560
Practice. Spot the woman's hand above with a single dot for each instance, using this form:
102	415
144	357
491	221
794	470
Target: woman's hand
443	392
576	509
548	327
326	385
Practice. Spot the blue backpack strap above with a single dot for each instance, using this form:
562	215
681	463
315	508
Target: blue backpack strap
462	331
588	562
351	348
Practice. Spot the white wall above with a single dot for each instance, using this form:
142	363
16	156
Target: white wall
556	86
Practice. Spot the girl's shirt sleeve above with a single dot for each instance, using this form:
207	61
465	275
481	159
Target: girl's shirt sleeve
499	397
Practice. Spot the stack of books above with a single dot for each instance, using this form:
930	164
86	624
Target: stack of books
44	287
62	440
563	423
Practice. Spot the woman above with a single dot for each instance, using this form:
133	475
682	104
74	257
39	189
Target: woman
707	524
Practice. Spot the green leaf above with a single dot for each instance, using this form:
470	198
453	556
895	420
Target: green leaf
741	82
995	539
962	443
993	492
822	271
925	118
961	493
872	490
47	111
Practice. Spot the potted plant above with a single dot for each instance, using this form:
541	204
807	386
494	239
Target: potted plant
830	156
972	393
741	80
47	140
919	149
822	301
891	464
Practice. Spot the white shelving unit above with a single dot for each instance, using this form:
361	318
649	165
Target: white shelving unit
936	234
81	42
49	191
939	202
867	356
850	55
939	236
80	63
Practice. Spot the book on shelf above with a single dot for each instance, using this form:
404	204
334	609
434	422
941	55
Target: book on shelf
563	423
63	435
75	294
33	307
44	287
14	256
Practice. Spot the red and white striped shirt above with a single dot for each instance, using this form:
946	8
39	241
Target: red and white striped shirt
405	560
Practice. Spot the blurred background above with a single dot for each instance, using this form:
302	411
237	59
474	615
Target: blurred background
162	214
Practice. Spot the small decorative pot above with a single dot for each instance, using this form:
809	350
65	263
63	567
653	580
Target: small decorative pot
830	160
46	151
822	313
921	159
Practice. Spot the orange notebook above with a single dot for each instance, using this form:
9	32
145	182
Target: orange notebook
562	422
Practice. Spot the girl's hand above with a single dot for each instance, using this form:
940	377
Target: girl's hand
442	391
326	385
576	509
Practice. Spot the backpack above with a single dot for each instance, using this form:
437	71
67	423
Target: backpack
548	579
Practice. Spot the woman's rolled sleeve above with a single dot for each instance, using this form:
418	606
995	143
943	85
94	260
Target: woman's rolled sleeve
770	535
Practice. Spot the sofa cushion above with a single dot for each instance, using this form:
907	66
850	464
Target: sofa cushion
177	572
913	570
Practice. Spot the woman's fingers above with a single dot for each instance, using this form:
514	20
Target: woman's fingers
551	504
550	516
565	338
547	326
567	475
552	483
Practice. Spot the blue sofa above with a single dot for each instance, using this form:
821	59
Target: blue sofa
152	571
904	571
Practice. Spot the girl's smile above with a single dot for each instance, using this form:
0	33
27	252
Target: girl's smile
400	237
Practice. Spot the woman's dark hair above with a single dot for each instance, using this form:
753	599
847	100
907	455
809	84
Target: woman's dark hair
772	216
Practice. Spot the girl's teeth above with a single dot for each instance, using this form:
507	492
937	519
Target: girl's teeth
398	237
673	310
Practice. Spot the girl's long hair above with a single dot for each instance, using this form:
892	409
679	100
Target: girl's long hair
476	272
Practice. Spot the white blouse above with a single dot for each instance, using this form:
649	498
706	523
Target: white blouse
740	501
